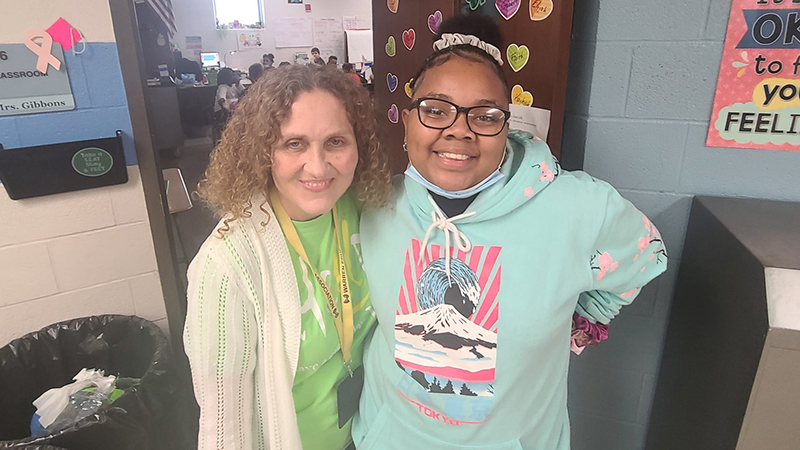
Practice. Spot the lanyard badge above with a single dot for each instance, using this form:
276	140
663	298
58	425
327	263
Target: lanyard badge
342	318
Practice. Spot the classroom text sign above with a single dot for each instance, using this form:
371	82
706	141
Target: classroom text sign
757	103
26	90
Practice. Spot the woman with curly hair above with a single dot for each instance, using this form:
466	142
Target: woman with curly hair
278	303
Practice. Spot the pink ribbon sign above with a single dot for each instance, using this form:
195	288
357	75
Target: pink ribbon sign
44	50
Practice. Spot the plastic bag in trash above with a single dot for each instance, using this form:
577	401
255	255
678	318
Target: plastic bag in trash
59	408
132	348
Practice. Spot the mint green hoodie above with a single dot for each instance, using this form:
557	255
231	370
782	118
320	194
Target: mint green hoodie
472	349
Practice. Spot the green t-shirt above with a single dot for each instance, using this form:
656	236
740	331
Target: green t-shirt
320	367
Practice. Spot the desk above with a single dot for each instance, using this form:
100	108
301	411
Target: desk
166	118
196	104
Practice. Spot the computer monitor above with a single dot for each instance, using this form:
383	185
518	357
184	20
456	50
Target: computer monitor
209	60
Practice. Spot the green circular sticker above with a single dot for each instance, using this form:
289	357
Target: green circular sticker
92	162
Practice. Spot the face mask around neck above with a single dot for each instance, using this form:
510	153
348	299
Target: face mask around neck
487	182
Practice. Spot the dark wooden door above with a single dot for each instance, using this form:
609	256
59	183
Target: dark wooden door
545	33
390	20
547	39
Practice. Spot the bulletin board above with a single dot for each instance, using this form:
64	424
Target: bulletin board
536	55
293	32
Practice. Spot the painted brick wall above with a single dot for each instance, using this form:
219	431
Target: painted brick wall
87	252
641	85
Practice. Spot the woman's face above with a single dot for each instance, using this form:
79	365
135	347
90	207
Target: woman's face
315	158
456	158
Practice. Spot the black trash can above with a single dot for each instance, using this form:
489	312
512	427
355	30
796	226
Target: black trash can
124	346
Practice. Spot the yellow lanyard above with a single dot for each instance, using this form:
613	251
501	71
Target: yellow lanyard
343	321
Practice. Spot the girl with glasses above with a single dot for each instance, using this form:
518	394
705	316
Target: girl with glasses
492	264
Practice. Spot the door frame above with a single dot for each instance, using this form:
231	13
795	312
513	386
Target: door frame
131	60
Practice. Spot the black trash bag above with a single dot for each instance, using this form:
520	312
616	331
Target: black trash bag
124	346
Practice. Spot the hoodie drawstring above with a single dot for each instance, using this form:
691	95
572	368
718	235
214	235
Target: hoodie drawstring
442	222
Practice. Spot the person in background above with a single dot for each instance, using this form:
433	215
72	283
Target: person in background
185	66
226	100
348	69
267	61
333	61
315	58
255	72
492	264
284	64
369	77
273	342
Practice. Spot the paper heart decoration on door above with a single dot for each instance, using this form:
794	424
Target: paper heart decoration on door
394	114
407	88
393	5
391	48
409	38
517	56
520	96
434	21
391	81
540	9
507	8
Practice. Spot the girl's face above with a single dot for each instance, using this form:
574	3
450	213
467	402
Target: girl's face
456	158
315	158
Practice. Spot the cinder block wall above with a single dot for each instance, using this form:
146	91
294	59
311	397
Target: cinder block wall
641	85
87	252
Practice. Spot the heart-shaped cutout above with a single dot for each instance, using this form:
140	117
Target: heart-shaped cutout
540	9
393	5
520	96
394	114
517	56
507	8
391	48
391	81
407	88
434	21
409	38
474	4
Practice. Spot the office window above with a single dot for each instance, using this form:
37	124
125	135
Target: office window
238	13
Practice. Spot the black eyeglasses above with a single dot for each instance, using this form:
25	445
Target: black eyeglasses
442	114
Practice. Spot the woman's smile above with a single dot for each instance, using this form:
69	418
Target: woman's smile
317	185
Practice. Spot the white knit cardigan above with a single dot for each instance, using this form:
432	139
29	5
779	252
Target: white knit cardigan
242	337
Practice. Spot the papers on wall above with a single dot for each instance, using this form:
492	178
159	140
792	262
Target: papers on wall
293	32
350	22
535	121
359	45
248	39
356	23
329	37
194	46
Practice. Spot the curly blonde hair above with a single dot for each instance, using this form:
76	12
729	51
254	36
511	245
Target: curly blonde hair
240	165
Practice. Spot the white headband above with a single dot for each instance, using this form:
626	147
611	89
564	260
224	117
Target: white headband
453	39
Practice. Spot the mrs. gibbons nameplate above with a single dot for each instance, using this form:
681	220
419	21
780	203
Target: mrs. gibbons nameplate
25	90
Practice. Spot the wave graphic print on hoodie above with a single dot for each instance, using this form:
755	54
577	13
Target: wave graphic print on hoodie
446	326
